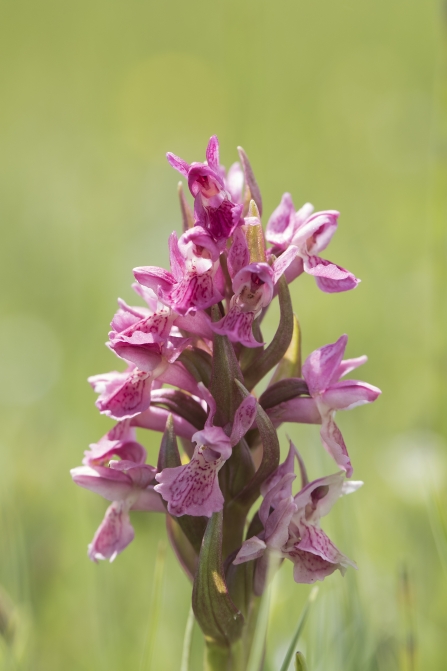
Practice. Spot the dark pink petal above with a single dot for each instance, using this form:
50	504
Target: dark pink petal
321	366
237	325
221	221
204	181
329	277
113	536
316	232
198	324
284	261
108	483
334	444
149	296
347	365
234	182
286	468
146	357
279	492
277	525
314	540
210	401
124	319
192	489
154	278
243	419
155	419
251	549
130	398
316	499
238	255
178	163
280	227
212	153
176	260
348	394
294	270
308	567
101	452
215	442
301	409
177	375
194	291
199	237
149	500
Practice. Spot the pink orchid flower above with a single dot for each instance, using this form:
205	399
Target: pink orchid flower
196	281
194	489
310	233
214	208
128	485
322	371
253	285
292	527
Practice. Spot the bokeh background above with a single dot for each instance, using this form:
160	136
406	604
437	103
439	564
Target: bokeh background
341	103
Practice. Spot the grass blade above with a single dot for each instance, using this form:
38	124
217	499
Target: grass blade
187	641
299	629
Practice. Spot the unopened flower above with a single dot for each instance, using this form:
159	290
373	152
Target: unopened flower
214	208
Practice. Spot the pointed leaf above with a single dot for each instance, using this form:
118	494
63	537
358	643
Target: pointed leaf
181	404
300	662
280	343
284	390
187	215
225	371
270	456
250	179
218	617
169	457
198	363
183	549
290	364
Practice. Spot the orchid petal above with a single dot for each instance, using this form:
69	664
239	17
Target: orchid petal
108	483
192	489
348	394
321	366
243	419
113	535
212	153
251	549
330	278
280	227
348	365
178	163
334	444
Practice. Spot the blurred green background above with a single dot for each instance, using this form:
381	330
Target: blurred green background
343	104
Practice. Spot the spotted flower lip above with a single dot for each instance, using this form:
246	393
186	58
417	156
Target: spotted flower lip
194	489
310	233
214	207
